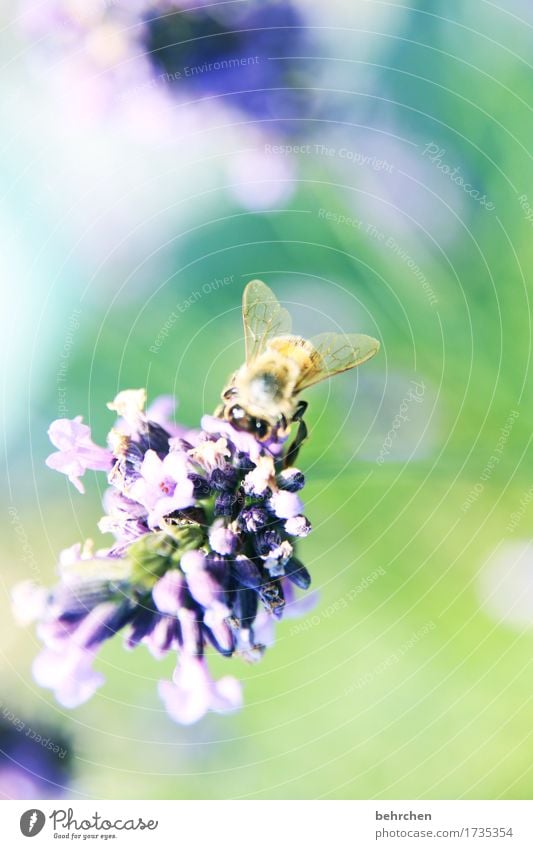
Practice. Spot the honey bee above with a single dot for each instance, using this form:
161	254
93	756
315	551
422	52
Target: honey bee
262	396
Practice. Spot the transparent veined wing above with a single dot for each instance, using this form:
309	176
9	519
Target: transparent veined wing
264	318
334	353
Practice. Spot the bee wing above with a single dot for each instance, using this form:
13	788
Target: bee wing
264	318
334	353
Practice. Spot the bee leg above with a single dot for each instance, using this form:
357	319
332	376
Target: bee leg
294	447
229	392
301	435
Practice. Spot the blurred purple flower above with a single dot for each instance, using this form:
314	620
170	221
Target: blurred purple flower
77	452
241	52
231	63
202	543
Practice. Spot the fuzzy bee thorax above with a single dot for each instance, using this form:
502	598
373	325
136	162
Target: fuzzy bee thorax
272	378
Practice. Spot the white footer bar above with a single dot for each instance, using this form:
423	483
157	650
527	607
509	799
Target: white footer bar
269	824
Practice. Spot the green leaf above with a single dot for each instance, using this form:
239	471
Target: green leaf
153	554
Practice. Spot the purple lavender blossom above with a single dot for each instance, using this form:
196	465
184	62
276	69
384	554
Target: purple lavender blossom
240	52
204	524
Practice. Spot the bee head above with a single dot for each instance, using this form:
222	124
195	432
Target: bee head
241	420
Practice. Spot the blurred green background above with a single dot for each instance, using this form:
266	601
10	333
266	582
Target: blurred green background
417	682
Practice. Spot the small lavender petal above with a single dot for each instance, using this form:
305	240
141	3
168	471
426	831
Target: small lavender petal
192	692
264	629
210	454
226	695
244	442
142	624
202	583
259	481
266	541
204	588
77	452
218	566
219	631
247	646
101	623
275	562
160	638
163	486
246	572
201	487
161	412
184	701
169	592
253	518
275	568
56	633
225	504
245	606
222	540
298	526
69	674
153	437
297	606
129	405
224	480
298	574
192	561
190	632
242	462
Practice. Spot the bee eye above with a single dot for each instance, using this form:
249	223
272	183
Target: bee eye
261	428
